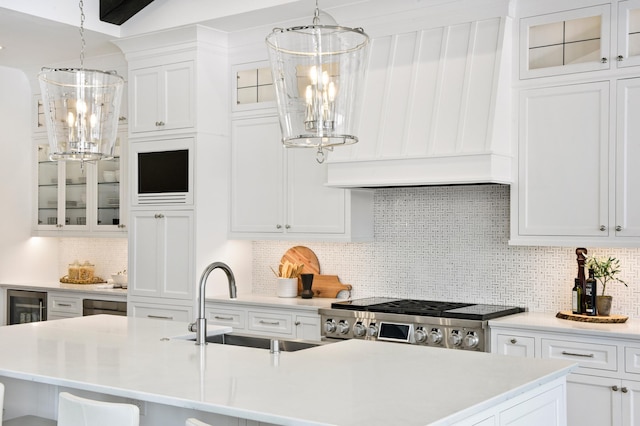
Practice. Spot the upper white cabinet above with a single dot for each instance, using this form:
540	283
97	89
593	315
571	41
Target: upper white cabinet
80	199
252	88
578	40
162	97
435	107
279	193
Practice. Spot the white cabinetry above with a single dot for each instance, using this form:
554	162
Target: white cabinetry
577	183
63	305
603	390
161	264
162	97
279	193
266	321
81	199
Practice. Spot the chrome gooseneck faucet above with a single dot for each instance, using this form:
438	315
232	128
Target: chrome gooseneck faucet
200	326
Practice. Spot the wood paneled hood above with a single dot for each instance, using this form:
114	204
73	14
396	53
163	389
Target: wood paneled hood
436	108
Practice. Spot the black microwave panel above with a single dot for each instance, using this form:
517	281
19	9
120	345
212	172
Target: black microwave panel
163	171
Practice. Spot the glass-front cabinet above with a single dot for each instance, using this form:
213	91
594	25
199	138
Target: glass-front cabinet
578	40
79	198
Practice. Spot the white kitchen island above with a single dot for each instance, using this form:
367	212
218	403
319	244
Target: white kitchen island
347	383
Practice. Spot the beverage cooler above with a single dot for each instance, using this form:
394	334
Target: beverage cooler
26	306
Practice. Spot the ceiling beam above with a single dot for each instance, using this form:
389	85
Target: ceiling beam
119	11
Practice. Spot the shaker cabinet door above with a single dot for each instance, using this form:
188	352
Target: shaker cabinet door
563	161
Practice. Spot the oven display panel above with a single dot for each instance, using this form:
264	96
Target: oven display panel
395	332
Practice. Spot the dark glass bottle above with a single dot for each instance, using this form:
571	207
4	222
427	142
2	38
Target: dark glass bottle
590	291
576	297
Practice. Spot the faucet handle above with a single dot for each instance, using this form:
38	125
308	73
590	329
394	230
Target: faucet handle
192	327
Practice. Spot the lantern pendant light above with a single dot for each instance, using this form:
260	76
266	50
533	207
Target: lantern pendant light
317	71
81	108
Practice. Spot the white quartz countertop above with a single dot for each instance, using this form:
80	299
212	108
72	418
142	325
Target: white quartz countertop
547	321
58	286
297	303
351	382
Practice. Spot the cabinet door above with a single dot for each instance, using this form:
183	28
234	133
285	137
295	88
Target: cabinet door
146	99
307	327
48	191
628	33
312	208
630	403
257	170
566	42
563	161
593	401
508	344
161	254
179	96
627	159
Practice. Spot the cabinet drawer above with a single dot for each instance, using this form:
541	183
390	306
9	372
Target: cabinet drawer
268	322
161	312
67	305
632	360
511	344
235	319
587	355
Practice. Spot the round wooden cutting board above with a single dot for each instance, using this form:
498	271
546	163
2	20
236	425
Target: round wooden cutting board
304	255
611	319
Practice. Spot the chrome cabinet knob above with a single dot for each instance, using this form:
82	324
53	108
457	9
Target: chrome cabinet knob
603	228
278	226
604	60
618	228
614	388
624	390
620	58
159	123
287	227
297	323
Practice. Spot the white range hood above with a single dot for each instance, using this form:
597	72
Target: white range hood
436	106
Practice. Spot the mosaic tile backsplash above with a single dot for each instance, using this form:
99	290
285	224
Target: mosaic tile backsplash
109	255
451	244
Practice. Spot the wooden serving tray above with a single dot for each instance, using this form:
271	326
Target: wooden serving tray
611	319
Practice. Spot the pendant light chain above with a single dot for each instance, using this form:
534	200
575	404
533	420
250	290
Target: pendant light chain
316	15
82	41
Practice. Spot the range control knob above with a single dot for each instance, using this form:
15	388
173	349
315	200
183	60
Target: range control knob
471	340
359	330
455	339
373	330
420	335
343	327
330	326
435	336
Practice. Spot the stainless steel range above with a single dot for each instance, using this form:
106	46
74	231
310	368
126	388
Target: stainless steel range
420	322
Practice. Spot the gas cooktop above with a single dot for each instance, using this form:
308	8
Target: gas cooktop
430	308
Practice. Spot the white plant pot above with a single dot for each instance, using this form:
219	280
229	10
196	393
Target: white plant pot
287	287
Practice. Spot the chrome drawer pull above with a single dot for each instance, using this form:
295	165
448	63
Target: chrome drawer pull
574	354
159	317
223	318
66	305
269	322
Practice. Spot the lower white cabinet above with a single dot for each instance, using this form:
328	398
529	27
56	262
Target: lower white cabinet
604	390
265	321
63	305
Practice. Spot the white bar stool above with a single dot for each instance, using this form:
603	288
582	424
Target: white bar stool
76	411
195	422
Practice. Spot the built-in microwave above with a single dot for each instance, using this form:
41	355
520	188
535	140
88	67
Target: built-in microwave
162	172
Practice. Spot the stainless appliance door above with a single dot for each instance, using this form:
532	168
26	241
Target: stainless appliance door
26	306
95	307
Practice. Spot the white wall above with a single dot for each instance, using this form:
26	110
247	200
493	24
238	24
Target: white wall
22	258
451	243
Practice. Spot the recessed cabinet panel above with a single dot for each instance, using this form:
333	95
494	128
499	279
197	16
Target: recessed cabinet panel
563	166
628	157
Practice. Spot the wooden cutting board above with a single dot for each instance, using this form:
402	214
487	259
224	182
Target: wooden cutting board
611	319
304	255
327	286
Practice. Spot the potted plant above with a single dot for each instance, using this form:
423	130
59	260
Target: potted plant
605	270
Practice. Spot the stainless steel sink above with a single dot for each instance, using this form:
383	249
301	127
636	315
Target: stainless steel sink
261	342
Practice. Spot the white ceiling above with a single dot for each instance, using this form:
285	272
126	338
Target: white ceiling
52	38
